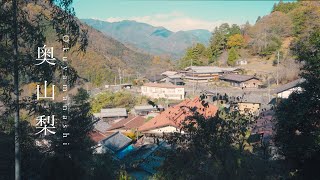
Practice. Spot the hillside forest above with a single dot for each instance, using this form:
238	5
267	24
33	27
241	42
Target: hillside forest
275	33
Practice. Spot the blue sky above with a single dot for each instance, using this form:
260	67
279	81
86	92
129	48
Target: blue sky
174	15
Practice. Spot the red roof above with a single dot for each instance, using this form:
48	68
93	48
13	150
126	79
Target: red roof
175	115
131	122
96	136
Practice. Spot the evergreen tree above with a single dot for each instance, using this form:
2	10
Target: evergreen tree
232	56
213	148
298	117
21	34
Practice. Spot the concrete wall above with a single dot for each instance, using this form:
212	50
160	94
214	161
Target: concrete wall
160	92
167	129
286	94
248	107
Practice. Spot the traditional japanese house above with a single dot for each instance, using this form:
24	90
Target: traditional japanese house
206	73
285	90
170	120
245	81
146	109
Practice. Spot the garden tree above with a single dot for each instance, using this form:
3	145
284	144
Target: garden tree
21	34
232	56
213	148
109	99
235	41
298	117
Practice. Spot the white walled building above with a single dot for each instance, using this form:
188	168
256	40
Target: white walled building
163	90
286	90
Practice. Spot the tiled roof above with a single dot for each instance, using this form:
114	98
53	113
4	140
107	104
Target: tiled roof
208	69
169	73
288	86
237	77
161	85
155	78
176	76
101	126
128	123
114	112
147	107
116	141
96	136
175	115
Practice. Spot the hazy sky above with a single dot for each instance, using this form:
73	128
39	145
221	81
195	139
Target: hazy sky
175	15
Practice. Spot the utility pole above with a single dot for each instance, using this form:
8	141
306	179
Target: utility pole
269	89
120	77
278	68
192	78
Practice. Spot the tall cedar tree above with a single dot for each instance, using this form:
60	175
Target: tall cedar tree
298	117
21	33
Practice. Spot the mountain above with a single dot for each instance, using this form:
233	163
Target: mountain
154	40
104	57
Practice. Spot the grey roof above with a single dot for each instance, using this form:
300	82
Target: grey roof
102	126
176	76
252	98
114	112
288	86
169	73
237	77
147	108
116	141
155	78
209	69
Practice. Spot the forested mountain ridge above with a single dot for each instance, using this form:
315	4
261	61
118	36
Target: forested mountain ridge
155	40
291	20
260	43
104	55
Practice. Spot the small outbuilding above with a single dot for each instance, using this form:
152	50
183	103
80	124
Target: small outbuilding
146	109
285	90
113	113
245	81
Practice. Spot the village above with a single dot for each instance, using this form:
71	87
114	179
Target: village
136	136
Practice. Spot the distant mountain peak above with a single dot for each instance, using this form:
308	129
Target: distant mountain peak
162	32
151	39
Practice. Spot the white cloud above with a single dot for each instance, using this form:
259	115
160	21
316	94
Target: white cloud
174	21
